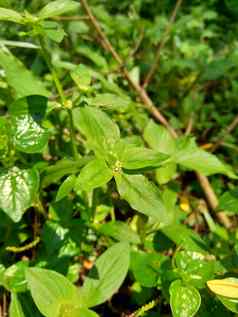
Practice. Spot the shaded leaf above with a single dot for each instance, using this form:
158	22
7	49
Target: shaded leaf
145	267
120	231
185	237
229	201
17	191
15	307
26	116
66	187
231	304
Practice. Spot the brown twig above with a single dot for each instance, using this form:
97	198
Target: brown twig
149	105
212	200
228	130
138	43
4	304
147	102
163	41
189	126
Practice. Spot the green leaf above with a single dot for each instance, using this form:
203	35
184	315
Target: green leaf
145	268
10	15
230	304
165	173
53	173
95	174
57	7
184	300
53	31
66	187
17	191
229	201
120	231
82	77
50	290
5	138
232	6
142	195
185	237
107	275
26	116
159	138
13	278
92	55
25	83
189	155
138	157
111	102
15	307
68	310
195	268
101	132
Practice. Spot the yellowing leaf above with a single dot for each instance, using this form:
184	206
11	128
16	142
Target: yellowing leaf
227	287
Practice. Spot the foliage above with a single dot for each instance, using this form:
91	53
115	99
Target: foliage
101	211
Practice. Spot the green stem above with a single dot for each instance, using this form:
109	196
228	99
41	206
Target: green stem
72	135
62	96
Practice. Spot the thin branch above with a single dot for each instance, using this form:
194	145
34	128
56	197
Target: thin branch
189	125
163	41
149	105
147	102
212	199
227	131
138	43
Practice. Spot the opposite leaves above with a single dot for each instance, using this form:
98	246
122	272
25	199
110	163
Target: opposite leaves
185	152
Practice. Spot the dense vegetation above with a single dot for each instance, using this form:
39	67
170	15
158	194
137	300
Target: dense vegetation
113	114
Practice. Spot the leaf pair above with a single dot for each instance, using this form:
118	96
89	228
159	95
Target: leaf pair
184	152
54	295
114	158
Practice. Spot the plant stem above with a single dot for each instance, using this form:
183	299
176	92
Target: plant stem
72	135
61	95
148	103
